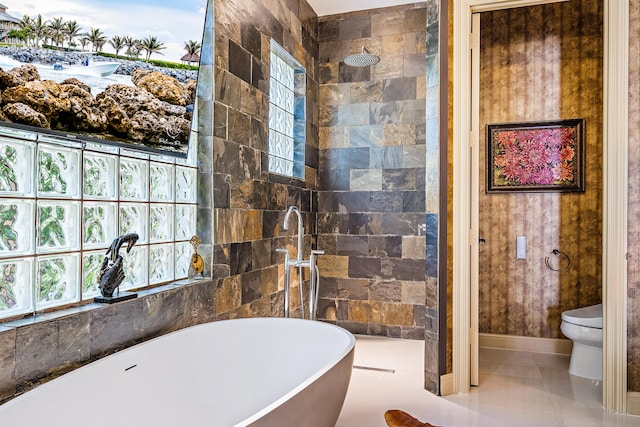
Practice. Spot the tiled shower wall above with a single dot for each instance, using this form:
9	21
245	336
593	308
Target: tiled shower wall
371	201
536	69
249	202
633	328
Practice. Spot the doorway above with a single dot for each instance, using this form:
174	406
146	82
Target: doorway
539	77
465	231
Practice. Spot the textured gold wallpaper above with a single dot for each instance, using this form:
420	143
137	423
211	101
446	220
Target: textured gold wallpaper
537	64
633	277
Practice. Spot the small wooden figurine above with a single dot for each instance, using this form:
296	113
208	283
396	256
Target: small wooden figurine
196	266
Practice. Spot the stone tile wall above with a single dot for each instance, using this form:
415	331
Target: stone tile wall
372	171
249	202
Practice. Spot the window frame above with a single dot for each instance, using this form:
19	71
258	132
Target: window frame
295	155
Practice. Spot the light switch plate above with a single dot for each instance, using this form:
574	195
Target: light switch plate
521	247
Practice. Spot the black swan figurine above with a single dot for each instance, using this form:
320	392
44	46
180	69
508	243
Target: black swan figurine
112	270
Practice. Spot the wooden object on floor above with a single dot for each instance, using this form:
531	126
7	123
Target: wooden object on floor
398	418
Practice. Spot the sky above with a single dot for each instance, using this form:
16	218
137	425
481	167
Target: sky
172	21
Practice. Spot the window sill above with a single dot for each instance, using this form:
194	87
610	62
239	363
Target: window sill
53	315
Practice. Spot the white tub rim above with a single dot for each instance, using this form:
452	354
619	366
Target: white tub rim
310	380
339	356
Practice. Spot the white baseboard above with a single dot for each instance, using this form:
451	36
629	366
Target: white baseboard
446	384
633	403
535	345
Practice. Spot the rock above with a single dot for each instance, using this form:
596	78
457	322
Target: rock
130	99
74	81
74	90
84	118
161	131
83	113
22	113
191	86
65	106
18	76
163	87
144	117
41	55
6	79
117	120
42	96
128	67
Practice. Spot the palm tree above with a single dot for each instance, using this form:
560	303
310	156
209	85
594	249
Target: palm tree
192	47
117	43
26	29
84	40
26	25
193	51
152	45
133	46
97	38
56	30
71	31
101	44
26	21
39	29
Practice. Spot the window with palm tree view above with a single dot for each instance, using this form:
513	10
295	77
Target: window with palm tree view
95	132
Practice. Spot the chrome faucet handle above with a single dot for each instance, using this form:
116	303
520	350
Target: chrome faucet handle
285	251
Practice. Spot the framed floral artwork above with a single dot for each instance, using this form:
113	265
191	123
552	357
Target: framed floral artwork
536	156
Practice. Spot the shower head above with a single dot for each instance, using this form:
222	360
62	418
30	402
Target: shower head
364	59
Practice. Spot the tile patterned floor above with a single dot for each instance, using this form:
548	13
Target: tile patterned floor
516	389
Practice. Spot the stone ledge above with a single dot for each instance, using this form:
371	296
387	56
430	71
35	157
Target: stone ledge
37	349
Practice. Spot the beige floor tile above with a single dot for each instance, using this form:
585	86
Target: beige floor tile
516	389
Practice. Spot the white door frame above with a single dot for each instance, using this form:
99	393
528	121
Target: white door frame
474	202
615	138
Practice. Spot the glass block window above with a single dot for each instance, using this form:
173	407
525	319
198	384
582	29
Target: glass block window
61	206
287	114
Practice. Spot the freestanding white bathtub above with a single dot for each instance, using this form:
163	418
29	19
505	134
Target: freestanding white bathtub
244	372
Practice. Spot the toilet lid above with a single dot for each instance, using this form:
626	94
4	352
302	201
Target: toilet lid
586	316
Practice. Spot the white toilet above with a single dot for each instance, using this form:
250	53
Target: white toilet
584	327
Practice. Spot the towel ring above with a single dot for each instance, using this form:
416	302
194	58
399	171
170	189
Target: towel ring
557	252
